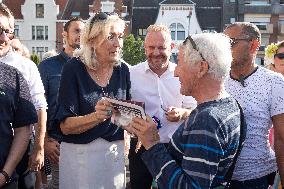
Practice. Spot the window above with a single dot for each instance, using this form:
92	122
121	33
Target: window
39	33
232	1
107	6
142	32
75	14
40	51
46	32
33	32
16	30
232	20
177	31
39	10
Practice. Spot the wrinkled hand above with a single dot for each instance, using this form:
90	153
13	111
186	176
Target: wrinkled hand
52	150
36	160
146	131
174	114
104	110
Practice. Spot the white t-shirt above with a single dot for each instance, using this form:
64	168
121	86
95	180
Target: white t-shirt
155	91
261	97
31	75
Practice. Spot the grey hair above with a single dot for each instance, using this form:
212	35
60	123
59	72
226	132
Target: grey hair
248	29
91	31
216	50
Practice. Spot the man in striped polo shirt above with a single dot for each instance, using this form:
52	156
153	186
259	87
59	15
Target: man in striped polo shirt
202	149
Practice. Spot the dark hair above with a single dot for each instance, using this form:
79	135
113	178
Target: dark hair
249	29
74	19
5	11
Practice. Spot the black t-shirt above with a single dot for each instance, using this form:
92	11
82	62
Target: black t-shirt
16	108
79	93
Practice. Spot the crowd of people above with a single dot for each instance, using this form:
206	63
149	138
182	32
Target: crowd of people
209	117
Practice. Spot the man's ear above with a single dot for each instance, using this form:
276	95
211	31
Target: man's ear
255	45
64	34
203	69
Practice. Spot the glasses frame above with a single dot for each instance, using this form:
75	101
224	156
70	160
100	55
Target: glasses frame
234	41
8	33
194	46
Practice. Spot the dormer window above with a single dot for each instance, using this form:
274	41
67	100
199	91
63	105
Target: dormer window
39	10
107	6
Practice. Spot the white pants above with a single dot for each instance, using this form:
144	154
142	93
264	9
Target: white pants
97	165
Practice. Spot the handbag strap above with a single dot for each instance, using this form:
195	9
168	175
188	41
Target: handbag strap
243	130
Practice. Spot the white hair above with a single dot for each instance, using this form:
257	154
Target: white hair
215	49
159	28
91	31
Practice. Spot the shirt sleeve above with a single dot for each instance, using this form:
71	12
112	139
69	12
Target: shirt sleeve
200	158
68	105
25	111
37	89
44	76
277	98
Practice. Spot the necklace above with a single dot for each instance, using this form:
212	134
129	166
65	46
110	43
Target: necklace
100	83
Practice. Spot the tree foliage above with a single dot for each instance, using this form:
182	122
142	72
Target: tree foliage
35	58
133	50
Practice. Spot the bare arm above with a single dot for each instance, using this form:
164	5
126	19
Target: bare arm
80	124
278	123
37	158
18	148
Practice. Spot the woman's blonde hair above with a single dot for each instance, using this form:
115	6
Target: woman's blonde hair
94	28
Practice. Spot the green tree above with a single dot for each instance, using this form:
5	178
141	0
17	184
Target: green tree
35	58
133	50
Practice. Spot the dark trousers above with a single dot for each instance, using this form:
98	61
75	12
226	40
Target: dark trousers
259	183
140	177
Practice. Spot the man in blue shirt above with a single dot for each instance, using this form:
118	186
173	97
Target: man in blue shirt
202	149
50	71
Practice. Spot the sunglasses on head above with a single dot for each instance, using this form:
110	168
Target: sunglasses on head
7	32
279	55
100	16
194	46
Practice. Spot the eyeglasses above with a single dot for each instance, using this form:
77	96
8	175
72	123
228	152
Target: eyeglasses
194	46
279	55
234	41
7	32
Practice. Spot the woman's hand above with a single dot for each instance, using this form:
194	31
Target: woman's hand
146	131
104	110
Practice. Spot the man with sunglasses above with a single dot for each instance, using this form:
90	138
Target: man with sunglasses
50	70
260	93
153	82
30	72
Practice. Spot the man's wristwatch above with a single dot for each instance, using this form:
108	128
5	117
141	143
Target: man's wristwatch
7	177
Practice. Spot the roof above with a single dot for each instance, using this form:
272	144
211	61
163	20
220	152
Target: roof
15	7
146	3
174	2
82	7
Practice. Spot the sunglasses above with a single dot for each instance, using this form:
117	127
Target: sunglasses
194	46
100	16
234	41
7	32
279	55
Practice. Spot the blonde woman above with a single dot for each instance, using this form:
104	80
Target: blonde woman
91	152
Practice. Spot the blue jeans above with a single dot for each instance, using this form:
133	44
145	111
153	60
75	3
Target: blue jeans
259	183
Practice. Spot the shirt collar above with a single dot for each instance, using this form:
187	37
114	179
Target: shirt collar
171	67
64	55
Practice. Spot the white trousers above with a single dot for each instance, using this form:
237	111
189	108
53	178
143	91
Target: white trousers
97	165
